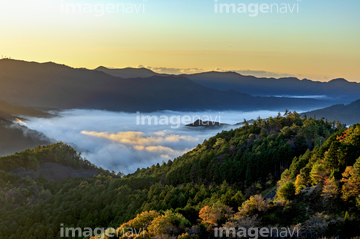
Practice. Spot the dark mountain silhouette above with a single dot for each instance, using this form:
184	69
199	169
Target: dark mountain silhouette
128	72
347	114
336	90
60	86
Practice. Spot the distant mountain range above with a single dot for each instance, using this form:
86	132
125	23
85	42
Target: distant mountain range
128	72
59	86
337	90
346	114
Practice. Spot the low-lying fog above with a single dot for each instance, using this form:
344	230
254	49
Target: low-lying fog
125	141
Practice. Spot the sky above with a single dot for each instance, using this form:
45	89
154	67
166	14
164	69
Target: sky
315	39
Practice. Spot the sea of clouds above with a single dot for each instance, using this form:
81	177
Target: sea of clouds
115	140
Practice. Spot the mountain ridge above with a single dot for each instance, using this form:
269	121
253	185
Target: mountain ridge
269	86
60	86
346	113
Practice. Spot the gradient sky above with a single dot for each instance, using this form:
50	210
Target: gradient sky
320	42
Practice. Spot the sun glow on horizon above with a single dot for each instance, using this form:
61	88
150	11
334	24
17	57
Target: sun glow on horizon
321	42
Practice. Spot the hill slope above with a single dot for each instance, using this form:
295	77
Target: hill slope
15	137
248	155
347	114
11	112
338	90
319	196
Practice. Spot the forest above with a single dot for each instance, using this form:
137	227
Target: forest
288	171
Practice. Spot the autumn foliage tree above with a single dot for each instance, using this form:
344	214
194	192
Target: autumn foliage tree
207	215
330	188
351	187
252	205
161	225
218	213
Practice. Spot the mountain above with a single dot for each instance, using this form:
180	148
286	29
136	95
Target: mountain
252	152
318	195
59	86
127	72
336	90
347	114
53	162
9	111
15	137
339	90
54	172
25	177
221	183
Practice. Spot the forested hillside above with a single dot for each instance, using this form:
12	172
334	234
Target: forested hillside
56	153
347	114
313	164
253	154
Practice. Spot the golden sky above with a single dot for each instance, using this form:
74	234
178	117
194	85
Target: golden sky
321	41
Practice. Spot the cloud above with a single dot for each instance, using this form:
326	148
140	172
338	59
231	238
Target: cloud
177	138
263	73
161	133
256	73
125	137
178	71
20	121
143	148
160	149
138	138
113	140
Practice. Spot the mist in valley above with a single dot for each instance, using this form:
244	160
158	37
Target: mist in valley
118	141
